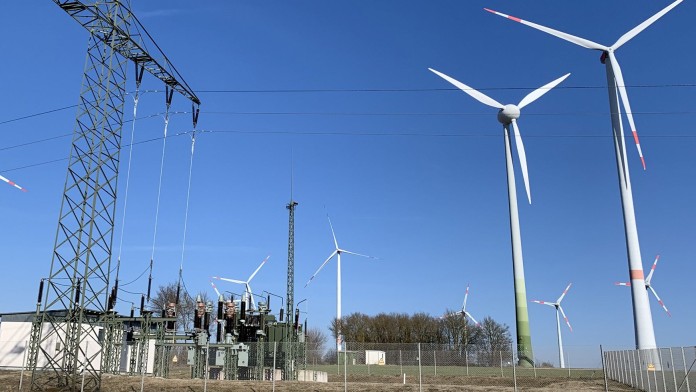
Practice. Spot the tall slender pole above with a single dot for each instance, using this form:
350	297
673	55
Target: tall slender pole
642	318
339	334
524	338
560	340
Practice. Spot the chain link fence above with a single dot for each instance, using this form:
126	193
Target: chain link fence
418	367
664	369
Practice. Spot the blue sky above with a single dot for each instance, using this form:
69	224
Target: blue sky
410	170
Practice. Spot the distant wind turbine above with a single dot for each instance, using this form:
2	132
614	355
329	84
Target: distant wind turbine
248	293
642	318
463	311
12	183
648	286
557	306
337	252
508	115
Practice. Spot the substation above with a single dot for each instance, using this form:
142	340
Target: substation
75	335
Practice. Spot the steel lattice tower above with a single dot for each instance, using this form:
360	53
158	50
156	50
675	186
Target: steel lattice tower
68	335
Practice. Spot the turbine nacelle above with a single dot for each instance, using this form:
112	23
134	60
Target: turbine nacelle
508	114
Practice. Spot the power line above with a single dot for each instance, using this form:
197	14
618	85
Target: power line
399	90
369	134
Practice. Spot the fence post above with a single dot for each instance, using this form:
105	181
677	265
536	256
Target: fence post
82	387
686	371
567	362
435	360
674	374
514	371
534	367
345	370
24	365
273	371
466	358
420	374
662	367
604	369
401	366
205	368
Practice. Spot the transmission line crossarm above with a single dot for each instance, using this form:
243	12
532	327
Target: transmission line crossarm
128	44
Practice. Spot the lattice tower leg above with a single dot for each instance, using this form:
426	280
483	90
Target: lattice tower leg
79	276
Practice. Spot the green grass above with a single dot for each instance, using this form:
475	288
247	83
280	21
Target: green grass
474	371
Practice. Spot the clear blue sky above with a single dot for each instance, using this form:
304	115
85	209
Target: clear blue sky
412	173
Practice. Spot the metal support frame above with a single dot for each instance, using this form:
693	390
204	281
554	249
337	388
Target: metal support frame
75	303
289	368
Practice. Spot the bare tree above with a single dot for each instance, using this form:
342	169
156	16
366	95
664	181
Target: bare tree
315	340
494	341
166	295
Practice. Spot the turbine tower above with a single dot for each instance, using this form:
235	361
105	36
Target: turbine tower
642	318
337	252
559	309
508	115
77	302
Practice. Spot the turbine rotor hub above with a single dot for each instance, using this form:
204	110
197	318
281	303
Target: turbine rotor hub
508	113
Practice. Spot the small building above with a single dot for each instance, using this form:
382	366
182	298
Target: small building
374	357
15	332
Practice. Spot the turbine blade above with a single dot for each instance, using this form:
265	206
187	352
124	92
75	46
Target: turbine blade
12	183
257	269
229	280
620	84
322	266
565	318
215	288
332	230
552	304
623	284
634	31
538	93
660	301
359	254
585	43
479	96
523	158
466	295
652	270
558	301
251	295
472	318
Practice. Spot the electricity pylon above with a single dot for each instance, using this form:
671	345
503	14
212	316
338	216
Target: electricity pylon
67	333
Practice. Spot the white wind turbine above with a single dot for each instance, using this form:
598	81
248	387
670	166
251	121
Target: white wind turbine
648	286
12	183
247	293
559	309
642	318
508	115
337	252
464	312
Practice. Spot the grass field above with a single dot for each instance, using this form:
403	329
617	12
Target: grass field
9	381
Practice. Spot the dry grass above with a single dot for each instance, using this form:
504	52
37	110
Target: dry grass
9	381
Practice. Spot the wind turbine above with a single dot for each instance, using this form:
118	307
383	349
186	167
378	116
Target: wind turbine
337	252
558	307
248	293
10	182
642	318
648	286
508	115
463	311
